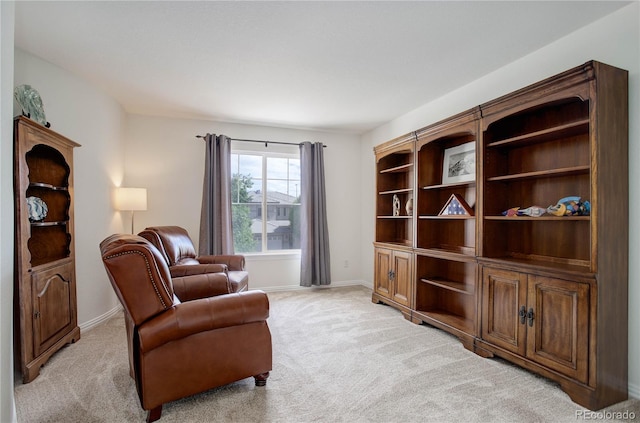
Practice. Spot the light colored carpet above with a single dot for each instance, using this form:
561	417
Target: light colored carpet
337	358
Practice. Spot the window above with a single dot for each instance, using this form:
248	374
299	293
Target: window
265	182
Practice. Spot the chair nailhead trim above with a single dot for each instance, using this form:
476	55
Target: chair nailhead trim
153	282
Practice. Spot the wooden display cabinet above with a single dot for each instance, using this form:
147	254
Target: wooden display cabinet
45	288
564	136
437	233
546	292
395	173
446	269
394	224
545	157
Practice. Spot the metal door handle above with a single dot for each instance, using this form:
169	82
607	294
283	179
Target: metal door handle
523	314
530	316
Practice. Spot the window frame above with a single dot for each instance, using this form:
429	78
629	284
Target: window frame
263	207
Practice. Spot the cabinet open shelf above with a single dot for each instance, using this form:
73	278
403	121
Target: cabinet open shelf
56	223
49	172
444	317
450	186
451	251
447	236
573	170
395	179
396	191
47	186
549	134
402	168
446	286
448	217
543	241
451	285
538	262
538	219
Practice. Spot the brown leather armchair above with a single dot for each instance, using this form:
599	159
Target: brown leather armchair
177	248
179	348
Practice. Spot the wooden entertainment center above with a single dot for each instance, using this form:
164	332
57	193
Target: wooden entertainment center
545	288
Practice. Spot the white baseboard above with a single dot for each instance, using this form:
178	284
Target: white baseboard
100	319
634	391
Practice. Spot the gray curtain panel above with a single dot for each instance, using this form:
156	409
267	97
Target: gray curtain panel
216	233
314	236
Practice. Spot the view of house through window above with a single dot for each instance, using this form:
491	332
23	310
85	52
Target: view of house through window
265	190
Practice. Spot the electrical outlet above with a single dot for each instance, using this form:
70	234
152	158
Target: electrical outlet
346	264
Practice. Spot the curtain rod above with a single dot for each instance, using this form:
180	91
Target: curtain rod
265	142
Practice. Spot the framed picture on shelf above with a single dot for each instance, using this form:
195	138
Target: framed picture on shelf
459	164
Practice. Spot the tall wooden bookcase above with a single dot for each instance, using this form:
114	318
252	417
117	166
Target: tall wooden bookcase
45	286
548	292
446	267
395	226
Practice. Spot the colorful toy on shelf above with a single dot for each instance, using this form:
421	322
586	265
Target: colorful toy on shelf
557	209
533	211
570	206
511	212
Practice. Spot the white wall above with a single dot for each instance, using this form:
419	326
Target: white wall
87	116
613	40
7	405
165	156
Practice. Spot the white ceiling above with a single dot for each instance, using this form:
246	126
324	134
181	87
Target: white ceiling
332	65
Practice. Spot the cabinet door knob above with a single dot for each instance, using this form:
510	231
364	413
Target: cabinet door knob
530	316
523	314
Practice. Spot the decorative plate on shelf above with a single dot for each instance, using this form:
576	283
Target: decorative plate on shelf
37	209
31	102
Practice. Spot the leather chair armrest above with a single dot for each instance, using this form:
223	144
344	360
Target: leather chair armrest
202	315
181	270
205	285
233	261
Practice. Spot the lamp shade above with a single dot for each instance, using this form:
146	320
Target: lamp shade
131	199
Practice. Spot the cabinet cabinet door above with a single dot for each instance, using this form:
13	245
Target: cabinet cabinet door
504	295
52	305
382	274
558	334
401	286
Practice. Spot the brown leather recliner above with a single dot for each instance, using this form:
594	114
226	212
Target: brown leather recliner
180	348
177	248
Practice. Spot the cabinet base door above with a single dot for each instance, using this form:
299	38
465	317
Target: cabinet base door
558	336
402	286
504	294
382	279
53	309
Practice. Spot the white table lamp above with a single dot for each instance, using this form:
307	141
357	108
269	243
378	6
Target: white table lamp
131	199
